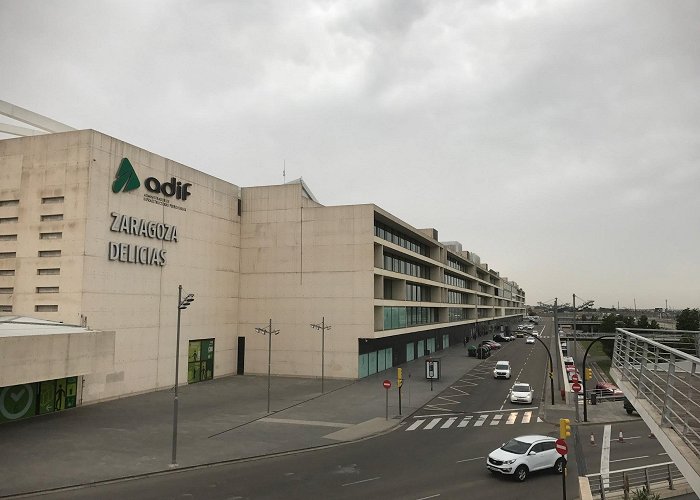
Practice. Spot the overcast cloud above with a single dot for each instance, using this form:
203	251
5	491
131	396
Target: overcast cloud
558	140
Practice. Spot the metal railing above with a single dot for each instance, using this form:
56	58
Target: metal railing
651	477
664	376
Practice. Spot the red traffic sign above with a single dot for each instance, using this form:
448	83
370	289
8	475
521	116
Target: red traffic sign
386	384
574	377
576	387
561	446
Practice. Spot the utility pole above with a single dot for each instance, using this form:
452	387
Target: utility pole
575	328
269	332
322	327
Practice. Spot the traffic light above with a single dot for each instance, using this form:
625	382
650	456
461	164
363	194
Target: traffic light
589	374
399	377
564	428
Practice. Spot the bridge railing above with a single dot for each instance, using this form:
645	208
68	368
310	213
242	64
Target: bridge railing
652	477
665	376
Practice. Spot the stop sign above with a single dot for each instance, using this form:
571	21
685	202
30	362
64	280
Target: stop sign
576	387
387	384
561	446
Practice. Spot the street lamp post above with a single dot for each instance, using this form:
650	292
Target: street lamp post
322	327
269	332
181	304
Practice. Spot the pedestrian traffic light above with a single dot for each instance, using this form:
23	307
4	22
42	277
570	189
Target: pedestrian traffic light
564	428
589	374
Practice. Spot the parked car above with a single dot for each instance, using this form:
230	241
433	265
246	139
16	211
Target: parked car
499	337
471	351
520	334
521	393
502	370
483	352
609	389
493	344
525	454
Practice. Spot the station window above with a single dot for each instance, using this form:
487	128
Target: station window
7	220
48	270
46	308
8	237
7	272
8	255
6	290
49	253
6	309
48	200
51	217
7	203
47	289
50	236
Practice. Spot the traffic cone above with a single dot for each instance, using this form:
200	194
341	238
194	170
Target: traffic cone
592	439
620	438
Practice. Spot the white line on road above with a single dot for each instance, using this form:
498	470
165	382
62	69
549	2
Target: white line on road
449	422
480	422
526	417
465	421
631	458
437	415
432	423
511	418
415	425
496	411
431	496
496	419
605	457
363	481
470	459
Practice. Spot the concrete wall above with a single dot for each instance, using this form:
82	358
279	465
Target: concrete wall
301	262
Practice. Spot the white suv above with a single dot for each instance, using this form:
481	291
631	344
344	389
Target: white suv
525	454
502	369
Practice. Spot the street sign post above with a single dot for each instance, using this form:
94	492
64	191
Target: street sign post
387	386
562	449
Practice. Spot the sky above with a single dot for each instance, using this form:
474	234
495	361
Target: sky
558	140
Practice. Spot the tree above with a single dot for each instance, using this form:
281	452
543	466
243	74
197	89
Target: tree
654	325
609	323
688	319
643	322
628	322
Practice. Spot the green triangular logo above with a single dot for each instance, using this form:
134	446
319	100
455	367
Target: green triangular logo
126	178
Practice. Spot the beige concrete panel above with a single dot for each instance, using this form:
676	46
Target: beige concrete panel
34	358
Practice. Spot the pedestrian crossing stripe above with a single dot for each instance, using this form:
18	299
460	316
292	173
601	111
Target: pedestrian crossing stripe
496	419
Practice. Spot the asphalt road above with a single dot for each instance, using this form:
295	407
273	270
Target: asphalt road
439	452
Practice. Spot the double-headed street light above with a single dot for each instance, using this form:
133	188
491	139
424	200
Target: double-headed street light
181	304
269	332
322	327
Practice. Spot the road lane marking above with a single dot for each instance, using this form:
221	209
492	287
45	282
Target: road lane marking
526	417
470	459
415	425
496	419
631	458
363	481
605	457
305	422
449	422
480	422
431	496
465	421
496	411
433	423
437	415
511	418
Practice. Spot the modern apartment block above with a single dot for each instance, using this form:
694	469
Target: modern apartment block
99	234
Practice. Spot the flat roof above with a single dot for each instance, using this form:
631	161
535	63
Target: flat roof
19	326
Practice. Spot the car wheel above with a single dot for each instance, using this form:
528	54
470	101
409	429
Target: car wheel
521	473
559	466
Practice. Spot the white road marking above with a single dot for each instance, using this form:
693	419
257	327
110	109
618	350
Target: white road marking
496	419
449	422
465	421
511	418
496	411
431	496
432	423
363	481
415	425
470	459
480	422
631	458
526	417
305	422
605	457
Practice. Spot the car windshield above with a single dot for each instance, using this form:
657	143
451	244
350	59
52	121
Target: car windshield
515	446
501	365
521	388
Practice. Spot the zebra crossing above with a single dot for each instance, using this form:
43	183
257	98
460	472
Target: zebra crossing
481	420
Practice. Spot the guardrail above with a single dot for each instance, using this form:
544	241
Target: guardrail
665	377
651	477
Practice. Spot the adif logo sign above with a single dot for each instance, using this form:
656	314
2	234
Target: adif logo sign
126	180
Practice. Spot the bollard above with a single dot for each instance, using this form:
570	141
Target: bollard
620	438
592	439
651	435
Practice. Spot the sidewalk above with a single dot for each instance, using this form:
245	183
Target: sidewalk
223	419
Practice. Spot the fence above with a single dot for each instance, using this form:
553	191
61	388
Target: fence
625	481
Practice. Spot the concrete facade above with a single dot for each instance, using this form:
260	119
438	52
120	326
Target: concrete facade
81	244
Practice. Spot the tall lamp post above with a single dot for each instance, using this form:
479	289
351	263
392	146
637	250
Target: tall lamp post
269	332
181	304
322	327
